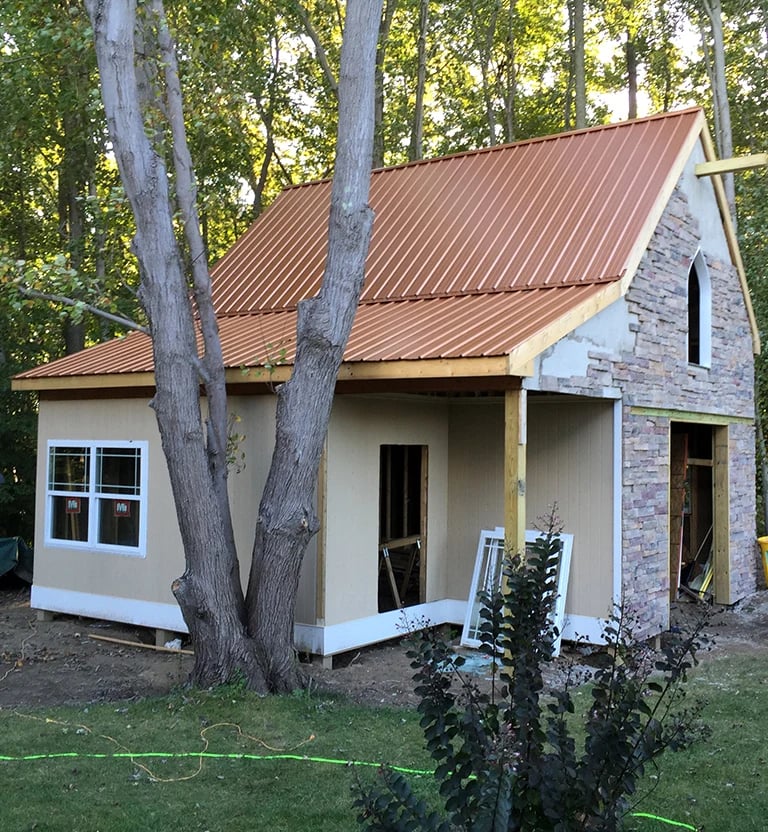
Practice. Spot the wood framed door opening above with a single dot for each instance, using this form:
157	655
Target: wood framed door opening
698	509
402	526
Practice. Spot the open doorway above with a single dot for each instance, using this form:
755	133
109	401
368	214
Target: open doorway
402	526
698	506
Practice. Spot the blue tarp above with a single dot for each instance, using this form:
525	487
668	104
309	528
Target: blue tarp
16	556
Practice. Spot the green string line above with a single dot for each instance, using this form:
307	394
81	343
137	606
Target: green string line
663	820
211	755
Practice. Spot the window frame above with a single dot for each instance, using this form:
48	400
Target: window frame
95	492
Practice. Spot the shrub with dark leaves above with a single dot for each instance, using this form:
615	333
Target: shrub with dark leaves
507	760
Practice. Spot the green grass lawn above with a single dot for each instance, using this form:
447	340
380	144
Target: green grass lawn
717	786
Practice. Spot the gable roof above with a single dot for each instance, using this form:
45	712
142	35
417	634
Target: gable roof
478	261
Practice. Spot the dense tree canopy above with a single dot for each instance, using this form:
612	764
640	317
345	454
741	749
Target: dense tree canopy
260	81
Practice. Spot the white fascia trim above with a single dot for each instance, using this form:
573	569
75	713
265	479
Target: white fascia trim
349	635
109	607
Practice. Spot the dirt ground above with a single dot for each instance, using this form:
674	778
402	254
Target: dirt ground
59	661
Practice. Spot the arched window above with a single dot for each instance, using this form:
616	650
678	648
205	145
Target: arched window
699	313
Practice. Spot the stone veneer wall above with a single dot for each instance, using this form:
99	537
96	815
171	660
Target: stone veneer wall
654	373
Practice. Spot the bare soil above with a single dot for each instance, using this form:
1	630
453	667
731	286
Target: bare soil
59	662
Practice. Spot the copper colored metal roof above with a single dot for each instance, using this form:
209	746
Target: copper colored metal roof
472	255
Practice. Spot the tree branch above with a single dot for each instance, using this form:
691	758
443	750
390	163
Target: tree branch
322	58
102	313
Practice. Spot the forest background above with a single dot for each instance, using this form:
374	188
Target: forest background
260	85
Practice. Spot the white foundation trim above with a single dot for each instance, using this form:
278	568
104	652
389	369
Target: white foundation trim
584	628
109	607
321	641
349	635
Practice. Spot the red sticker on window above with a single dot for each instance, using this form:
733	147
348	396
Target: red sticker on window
72	505
122	508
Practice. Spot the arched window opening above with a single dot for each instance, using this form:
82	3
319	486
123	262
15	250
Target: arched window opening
699	313
694	317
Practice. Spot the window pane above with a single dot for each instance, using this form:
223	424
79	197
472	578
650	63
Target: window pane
119	522
69	518
118	470
68	469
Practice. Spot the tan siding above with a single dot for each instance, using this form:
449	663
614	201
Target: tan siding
570	449
569	460
476	489
148	578
359	426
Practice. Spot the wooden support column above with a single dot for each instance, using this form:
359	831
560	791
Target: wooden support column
515	429
721	518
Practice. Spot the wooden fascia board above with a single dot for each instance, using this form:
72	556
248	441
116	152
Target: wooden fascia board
381	370
735	163
425	368
90	382
522	356
349	371
730	234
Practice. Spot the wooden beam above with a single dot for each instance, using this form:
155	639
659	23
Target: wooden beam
691	416
515	416
735	163
721	517
90	382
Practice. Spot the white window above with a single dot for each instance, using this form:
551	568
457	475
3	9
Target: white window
97	495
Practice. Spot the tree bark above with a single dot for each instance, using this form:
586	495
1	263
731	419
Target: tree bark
287	519
579	72
630	53
228	643
385	25
416	147
209	592
723	134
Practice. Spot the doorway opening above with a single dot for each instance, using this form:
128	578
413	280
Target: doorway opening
402	526
698	505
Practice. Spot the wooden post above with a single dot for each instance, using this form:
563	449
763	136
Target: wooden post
515	416
721	522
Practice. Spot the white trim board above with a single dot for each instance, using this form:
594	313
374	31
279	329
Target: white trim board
349	635
109	607
321	641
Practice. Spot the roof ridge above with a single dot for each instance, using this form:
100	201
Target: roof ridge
478	151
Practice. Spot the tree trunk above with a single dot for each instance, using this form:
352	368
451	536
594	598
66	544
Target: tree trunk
259	646
510	74
416	147
723	134
385	24
630	52
209	592
72	188
287	520
579	72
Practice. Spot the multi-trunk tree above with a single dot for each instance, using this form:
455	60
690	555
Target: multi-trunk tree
252	635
